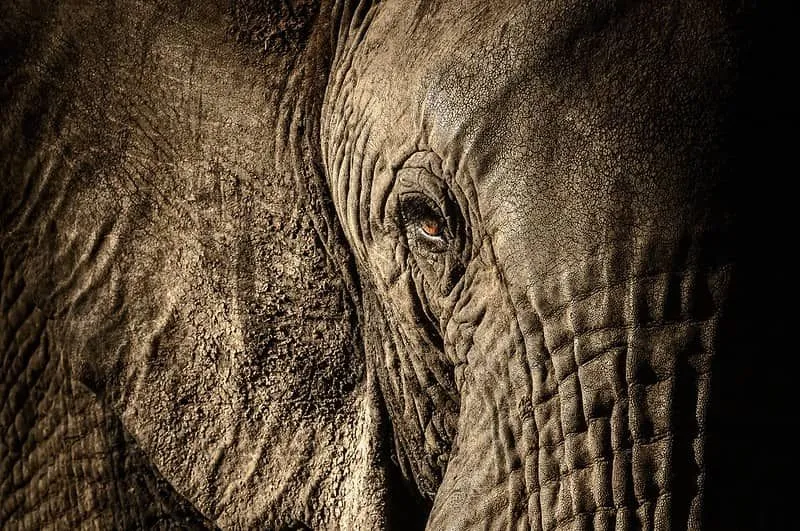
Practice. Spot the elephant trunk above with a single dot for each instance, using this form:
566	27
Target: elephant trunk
585	396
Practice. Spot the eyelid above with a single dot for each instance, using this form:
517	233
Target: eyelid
419	180
415	204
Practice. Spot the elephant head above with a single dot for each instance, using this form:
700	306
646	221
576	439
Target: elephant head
389	264
542	202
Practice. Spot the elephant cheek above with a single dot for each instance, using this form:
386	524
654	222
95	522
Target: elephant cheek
582	407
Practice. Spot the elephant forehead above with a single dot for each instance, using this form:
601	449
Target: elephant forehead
431	74
446	72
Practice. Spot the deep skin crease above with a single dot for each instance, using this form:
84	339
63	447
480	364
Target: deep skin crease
367	265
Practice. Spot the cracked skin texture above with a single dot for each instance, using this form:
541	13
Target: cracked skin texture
218	310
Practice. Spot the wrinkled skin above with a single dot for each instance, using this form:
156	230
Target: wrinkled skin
554	358
455	264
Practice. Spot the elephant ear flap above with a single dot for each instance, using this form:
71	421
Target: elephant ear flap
194	277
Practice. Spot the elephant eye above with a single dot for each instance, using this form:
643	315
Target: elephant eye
424	222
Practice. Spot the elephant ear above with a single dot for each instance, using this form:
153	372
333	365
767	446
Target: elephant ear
164	218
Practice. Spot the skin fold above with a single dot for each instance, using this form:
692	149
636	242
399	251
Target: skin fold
366	265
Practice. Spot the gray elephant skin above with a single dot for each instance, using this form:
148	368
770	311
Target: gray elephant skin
395	265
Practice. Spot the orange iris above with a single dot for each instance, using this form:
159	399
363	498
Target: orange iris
432	227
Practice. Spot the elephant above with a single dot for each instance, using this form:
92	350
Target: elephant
342	264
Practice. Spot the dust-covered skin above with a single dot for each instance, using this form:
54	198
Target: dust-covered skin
347	265
159	254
